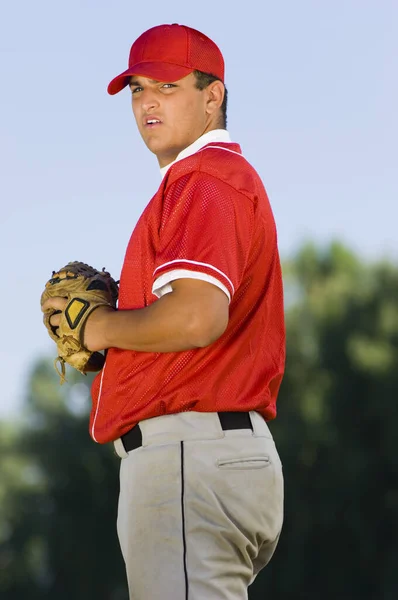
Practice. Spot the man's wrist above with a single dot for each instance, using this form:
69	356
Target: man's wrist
97	329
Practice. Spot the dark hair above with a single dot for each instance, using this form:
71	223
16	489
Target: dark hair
205	79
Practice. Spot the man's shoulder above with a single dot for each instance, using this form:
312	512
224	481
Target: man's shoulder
220	160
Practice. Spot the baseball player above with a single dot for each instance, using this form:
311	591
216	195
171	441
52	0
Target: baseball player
195	351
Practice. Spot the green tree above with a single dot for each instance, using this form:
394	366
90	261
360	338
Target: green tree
59	511
337	431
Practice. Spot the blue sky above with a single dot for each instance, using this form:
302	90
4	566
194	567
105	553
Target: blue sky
312	100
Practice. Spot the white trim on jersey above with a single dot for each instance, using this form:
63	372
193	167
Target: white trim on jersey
98	403
196	263
162	285
222	148
215	135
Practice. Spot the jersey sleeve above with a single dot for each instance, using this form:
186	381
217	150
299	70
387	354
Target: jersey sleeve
205	233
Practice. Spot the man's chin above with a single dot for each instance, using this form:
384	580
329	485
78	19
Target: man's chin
165	156
154	146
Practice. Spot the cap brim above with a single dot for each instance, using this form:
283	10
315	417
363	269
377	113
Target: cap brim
155	70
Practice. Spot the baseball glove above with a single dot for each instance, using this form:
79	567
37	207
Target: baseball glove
86	289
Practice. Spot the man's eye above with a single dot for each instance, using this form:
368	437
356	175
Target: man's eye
136	89
169	85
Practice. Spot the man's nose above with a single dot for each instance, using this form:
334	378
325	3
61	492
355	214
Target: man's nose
149	100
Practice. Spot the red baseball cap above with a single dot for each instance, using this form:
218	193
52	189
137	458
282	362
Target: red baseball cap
168	53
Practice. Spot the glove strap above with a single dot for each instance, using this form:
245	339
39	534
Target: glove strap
60	370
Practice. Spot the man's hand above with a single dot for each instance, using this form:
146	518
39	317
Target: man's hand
58	304
93	338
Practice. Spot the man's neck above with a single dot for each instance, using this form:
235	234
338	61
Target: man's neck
214	135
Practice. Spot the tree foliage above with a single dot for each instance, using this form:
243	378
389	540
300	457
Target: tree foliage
59	519
335	431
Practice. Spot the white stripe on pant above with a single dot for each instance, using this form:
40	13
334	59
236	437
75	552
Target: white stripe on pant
200	509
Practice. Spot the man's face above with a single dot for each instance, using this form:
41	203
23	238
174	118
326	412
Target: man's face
170	116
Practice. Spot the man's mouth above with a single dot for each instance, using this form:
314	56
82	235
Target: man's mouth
152	122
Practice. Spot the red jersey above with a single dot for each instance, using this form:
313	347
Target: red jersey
210	219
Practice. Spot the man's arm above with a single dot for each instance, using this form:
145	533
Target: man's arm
193	315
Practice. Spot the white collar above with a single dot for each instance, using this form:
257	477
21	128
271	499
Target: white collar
215	135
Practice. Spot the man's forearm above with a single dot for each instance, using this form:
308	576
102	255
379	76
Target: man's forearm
156	328
168	325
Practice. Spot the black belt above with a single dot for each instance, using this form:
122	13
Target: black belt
229	420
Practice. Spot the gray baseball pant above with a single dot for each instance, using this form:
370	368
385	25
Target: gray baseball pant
200	509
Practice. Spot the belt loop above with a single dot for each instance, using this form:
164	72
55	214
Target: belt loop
260	427
120	449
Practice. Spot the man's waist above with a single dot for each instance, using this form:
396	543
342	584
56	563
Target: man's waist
228	421
189	426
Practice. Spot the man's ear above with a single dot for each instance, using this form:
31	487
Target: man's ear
215	92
